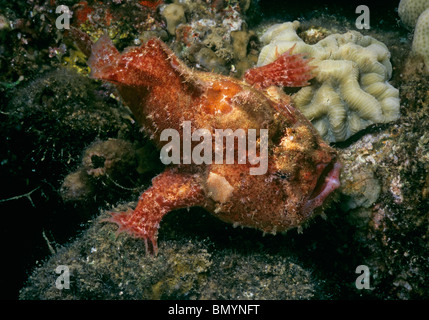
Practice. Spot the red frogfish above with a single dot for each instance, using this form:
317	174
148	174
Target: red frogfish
274	171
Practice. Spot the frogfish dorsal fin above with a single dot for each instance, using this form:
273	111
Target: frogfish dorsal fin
151	64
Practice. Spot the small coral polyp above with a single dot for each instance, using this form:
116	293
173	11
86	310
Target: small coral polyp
350	90
163	93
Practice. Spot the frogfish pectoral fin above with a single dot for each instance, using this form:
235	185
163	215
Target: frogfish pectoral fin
170	190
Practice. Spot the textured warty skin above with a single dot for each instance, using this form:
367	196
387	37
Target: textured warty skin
163	94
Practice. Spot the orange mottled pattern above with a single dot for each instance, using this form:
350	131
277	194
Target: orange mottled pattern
218	98
163	93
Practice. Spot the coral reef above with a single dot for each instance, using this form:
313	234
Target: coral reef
216	39
350	90
52	121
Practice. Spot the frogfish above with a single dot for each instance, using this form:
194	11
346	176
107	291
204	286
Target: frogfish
301	170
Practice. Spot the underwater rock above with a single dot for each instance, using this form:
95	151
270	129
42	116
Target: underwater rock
174	14
54	116
392	223
4	24
201	43
103	266
106	161
46	123
147	35
350	90
109	165
240	42
113	157
76	186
